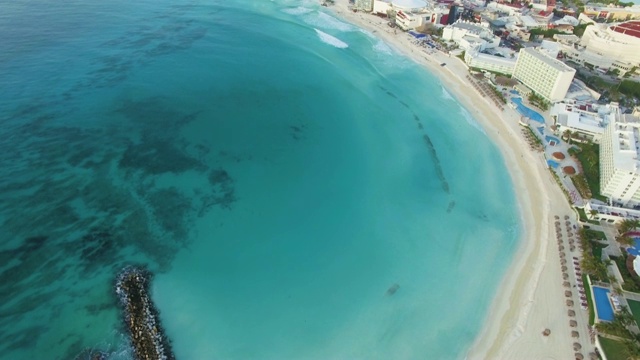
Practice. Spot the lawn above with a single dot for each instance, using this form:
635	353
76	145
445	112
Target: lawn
613	349
592	313
634	306
583	217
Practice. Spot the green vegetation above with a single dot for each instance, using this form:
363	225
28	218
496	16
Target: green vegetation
589	155
634	306
631	282
592	263
579	29
583	217
595	235
592	313
580	182
461	55
630	88
613	349
548	34
539	101
499	95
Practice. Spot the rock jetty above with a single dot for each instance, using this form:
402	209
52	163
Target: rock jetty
140	315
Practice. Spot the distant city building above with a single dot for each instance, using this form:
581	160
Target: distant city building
544	75
475	59
619	165
619	43
612	13
470	36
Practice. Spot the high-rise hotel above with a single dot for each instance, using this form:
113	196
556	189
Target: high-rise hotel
619	165
546	76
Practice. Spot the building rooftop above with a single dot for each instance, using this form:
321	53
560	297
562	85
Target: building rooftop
625	143
556	64
631	28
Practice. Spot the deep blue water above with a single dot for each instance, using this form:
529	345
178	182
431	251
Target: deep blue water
278	169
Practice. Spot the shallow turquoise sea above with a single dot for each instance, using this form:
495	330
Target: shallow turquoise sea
279	170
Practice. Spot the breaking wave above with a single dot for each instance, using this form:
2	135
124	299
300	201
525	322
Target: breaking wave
331	40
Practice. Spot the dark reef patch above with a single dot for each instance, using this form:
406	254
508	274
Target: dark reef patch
436	161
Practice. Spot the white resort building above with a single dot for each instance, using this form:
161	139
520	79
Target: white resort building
470	36
619	165
586	120
475	59
546	76
607	46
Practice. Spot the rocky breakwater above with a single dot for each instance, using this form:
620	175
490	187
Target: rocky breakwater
140	315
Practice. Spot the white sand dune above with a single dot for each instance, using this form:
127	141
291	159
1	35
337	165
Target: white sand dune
531	297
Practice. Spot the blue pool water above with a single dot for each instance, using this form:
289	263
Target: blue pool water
549	139
635	249
553	164
514	92
541	130
603	306
531	114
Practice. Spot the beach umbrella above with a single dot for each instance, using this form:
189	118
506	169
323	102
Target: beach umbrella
564	268
573	323
567	222
572	248
575	334
560	247
566	217
577	346
569	302
563	261
566	284
562	255
571	313
593	356
565	276
546	332
557	217
579	356
567	293
557	223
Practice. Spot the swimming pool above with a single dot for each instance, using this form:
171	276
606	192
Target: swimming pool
552	140
514	92
533	115
635	249
603	306
553	164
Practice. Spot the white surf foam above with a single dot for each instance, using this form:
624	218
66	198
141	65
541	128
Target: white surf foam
446	94
325	21
331	40
470	120
300	10
381	47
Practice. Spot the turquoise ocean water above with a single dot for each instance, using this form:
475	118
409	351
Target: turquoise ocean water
278	169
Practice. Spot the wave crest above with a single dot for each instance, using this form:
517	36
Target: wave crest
331	40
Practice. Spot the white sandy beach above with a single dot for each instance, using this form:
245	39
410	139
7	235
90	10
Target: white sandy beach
531	296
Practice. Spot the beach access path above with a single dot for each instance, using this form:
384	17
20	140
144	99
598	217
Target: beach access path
530	298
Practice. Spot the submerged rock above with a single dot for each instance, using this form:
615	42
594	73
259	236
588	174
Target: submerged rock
392	289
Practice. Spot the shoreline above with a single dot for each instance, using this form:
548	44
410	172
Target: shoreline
513	324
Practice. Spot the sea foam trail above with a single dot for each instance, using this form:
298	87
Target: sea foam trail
470	120
300	10
331	40
325	21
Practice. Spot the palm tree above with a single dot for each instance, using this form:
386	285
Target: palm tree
627	225
566	136
593	213
625	240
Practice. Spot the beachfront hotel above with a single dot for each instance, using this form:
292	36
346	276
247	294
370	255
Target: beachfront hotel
475	59
619	165
546	76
